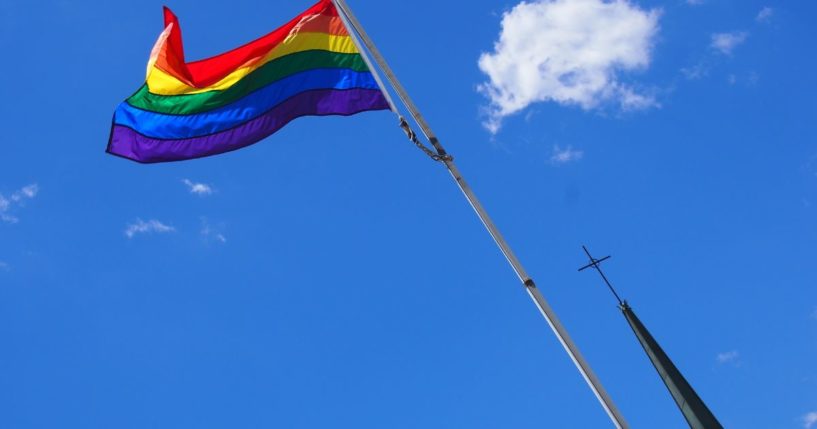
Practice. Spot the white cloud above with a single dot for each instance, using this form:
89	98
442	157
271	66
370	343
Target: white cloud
151	226
211	233
26	192
570	52
563	156
16	199
4	206
631	100
725	43
200	189
765	14
728	357
695	72
749	79
809	420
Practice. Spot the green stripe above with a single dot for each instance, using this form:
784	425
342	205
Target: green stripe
265	75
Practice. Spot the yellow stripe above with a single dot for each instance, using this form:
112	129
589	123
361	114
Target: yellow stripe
162	83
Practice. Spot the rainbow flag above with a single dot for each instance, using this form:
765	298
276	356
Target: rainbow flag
310	66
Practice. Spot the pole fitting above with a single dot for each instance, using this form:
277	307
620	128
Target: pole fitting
436	143
530	284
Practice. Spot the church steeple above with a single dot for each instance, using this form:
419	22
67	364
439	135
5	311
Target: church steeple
692	406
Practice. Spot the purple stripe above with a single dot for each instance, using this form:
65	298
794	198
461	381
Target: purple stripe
127	143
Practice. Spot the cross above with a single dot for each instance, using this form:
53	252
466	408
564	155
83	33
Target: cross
595	263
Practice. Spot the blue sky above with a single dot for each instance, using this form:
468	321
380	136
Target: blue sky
332	276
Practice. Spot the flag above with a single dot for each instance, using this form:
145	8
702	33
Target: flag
308	67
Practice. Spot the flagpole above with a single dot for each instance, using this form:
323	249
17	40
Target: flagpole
537	297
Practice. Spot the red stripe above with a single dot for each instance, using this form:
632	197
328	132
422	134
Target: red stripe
206	72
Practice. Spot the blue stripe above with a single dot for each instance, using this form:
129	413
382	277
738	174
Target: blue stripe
164	126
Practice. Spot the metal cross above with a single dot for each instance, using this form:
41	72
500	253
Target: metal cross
595	264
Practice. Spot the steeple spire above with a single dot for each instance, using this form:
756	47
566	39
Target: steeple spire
692	406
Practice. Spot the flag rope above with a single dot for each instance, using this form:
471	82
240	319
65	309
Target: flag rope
404	125
441	155
412	136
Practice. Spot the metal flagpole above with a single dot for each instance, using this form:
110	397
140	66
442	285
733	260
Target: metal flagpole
441	155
